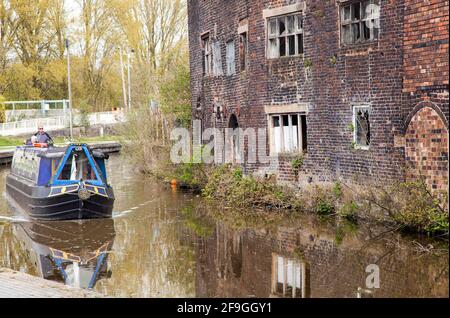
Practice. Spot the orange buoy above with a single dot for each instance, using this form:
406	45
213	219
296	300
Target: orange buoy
174	182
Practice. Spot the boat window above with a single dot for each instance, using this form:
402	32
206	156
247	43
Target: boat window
77	168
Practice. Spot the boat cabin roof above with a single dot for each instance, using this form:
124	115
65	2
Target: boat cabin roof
58	152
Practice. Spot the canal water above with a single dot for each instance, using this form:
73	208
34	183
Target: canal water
166	243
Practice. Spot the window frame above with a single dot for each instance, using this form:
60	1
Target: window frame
356	108
217	67
231	67
298	275
300	144
243	51
207	55
363	19
297	32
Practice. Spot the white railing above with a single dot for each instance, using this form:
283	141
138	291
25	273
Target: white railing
54	123
106	118
29	126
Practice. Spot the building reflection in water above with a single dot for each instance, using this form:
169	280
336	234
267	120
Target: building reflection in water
74	253
290	277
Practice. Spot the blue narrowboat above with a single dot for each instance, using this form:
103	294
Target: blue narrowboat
60	183
72	252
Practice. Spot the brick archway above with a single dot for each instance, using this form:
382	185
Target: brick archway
427	148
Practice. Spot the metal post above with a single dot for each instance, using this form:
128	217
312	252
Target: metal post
129	80
70	90
122	73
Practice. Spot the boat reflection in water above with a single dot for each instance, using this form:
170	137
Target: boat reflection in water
72	252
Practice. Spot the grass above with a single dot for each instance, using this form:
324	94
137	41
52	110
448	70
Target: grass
10	141
15	141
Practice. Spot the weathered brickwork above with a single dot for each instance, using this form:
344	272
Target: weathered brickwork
386	75
427	149
426	44
426	82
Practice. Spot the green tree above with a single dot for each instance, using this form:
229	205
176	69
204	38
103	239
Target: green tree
175	93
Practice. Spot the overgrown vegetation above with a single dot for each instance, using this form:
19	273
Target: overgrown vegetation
297	164
408	206
230	185
146	135
411	205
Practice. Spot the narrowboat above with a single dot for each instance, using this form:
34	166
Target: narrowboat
71	252
60	183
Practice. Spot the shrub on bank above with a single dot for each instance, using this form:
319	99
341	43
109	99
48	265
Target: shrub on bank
230	185
419	209
412	206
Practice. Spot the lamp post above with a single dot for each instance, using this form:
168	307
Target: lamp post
122	73
69	84
129	78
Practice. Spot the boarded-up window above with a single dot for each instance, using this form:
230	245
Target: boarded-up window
288	133
217	59
360	21
285	36
361	120
231	66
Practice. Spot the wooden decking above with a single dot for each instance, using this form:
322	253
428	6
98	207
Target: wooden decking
18	285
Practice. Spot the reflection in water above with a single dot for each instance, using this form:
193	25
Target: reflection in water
164	244
71	252
290	277
309	261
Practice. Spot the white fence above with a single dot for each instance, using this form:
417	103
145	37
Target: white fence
106	118
29	126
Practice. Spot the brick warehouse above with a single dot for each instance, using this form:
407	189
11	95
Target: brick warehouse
360	87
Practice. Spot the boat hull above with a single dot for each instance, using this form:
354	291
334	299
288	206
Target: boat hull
38	203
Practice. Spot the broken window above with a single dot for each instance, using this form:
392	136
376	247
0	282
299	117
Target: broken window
207	55
288	133
217	59
362	126
243	50
360	21
231	67
285	36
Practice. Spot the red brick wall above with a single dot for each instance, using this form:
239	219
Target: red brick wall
384	74
425	87
426	44
427	149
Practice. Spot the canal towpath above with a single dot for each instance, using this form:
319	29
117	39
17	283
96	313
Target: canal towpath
19	285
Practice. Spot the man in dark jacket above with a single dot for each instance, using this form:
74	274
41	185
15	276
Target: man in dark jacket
43	137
